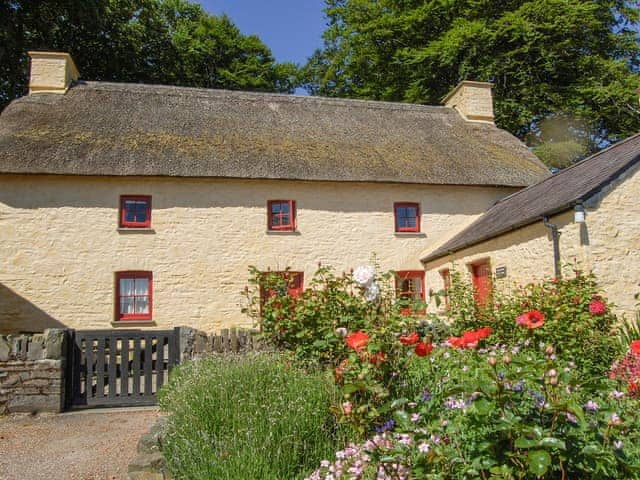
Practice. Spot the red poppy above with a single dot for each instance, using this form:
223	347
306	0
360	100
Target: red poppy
635	347
531	319
455	342
484	332
423	349
596	307
358	341
411	339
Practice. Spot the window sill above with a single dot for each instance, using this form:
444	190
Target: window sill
410	234
283	232
133	323
135	230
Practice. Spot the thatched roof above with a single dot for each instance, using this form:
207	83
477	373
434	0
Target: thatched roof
553	195
101	128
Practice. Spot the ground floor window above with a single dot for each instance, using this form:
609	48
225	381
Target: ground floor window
134	295
410	288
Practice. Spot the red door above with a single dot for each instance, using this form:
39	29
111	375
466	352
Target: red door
481	273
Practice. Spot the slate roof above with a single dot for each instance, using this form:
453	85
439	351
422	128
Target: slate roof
553	195
100	128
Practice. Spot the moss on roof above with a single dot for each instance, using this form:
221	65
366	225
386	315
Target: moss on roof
101	128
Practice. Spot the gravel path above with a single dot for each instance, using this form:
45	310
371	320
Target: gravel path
88	445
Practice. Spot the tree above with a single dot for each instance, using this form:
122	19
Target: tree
151	41
548	59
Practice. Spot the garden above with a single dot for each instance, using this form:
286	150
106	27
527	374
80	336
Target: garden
539	383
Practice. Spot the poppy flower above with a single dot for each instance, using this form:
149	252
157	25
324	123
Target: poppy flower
358	341
597	307
423	349
484	332
531	319
455	342
635	347
410	339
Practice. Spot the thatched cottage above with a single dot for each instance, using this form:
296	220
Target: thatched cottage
144	205
584	217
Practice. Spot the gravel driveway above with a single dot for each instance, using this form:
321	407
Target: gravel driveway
87	445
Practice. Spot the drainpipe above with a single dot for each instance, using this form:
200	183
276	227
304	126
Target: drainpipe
555	235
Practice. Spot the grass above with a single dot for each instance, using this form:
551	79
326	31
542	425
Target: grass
251	417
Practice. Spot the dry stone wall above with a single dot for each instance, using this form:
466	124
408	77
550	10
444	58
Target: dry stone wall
32	372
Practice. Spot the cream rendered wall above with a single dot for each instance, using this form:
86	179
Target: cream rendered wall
60	247
607	244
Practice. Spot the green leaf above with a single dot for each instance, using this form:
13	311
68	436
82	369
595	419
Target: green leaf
539	462
523	442
553	443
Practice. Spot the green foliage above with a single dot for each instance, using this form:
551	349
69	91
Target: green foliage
240	418
172	42
569	326
549	60
503	413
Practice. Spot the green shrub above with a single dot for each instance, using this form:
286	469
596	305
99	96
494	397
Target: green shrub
578	321
254	417
502	414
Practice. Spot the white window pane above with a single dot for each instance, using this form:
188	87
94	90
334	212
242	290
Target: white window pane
126	305
126	286
142	286
142	305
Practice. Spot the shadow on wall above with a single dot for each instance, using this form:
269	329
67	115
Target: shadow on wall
19	315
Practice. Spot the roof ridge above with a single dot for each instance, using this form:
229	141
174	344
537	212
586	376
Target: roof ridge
154	89
562	172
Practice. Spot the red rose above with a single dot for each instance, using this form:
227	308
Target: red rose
377	358
411	339
358	341
423	349
635	347
596	307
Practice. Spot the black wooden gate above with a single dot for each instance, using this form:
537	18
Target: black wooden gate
117	368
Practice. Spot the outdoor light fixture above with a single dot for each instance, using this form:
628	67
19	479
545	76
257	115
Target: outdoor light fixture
579	214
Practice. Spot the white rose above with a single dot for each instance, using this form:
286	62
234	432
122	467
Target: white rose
364	275
372	292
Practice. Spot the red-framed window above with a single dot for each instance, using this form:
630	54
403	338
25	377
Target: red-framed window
134	296
407	216
481	279
445	273
135	211
410	285
293	285
281	215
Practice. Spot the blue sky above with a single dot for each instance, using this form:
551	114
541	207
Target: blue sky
292	29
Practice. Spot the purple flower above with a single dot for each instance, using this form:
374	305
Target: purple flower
423	447
592	406
571	418
426	396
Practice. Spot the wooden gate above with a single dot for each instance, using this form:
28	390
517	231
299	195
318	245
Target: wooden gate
117	368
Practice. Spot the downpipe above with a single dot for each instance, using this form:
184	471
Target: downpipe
555	236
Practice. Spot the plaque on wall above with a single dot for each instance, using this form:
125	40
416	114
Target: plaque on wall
501	272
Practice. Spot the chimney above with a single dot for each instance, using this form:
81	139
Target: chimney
472	100
51	72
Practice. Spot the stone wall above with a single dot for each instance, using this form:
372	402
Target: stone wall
61	245
32	372
608	244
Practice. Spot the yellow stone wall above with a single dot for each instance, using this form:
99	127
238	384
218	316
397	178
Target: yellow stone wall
60	246
607	244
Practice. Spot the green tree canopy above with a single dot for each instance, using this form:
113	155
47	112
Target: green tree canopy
551	61
152	41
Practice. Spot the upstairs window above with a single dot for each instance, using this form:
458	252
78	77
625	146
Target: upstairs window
134	293
407	216
135	211
281	215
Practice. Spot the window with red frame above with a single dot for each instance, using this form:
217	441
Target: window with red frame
407	217
294	282
135	211
282	215
134	295
410	287
446	285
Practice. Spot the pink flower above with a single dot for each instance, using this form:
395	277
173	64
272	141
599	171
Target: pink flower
596	307
346	407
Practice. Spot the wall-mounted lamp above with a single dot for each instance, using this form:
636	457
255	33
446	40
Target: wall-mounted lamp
579	214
